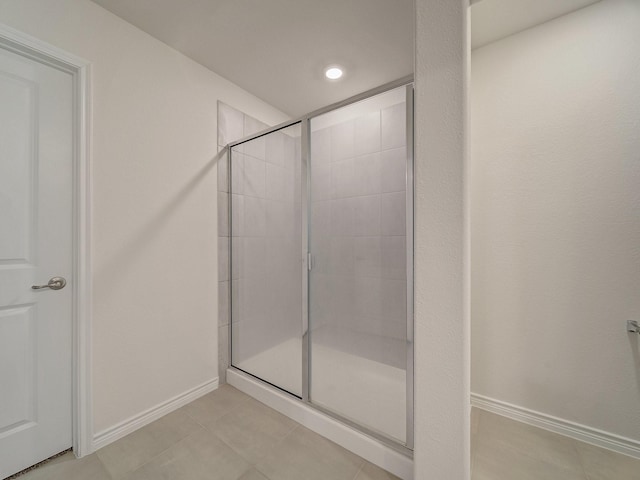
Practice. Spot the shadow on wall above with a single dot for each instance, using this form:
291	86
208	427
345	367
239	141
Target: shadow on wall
125	258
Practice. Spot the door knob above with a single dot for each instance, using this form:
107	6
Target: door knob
56	283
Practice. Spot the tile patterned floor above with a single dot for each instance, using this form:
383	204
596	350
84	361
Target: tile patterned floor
224	435
227	435
503	449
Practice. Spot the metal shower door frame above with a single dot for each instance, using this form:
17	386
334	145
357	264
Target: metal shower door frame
305	159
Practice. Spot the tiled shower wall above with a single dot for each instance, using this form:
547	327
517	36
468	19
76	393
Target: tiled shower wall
266	245
265	236
232	125
358	225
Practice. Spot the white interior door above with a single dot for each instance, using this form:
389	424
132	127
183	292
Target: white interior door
36	161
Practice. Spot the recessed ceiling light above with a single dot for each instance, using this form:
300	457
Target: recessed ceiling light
333	73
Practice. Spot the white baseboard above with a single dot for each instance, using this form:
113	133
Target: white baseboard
354	441
130	425
583	433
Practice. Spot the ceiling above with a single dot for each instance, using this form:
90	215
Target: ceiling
492	20
278	49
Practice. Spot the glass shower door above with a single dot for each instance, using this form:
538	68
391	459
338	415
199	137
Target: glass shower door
266	258
358	284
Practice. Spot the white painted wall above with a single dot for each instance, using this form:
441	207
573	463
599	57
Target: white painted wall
555	214
441	317
154	211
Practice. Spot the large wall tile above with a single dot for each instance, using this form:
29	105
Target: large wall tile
276	213
223	259
394	298
342	217
342	141
255	257
367	174
366	215
393	213
276	183
368	297
237	172
237	292
320	147
393	167
320	299
367	133
343	179
237	215
321	182
223	214
394	257
255	217
230	124
291	152
256	302
394	127
223	303
321	250
368	256
321	218
342	256
237	255
275	148
254	177
342	292
256	147
223	173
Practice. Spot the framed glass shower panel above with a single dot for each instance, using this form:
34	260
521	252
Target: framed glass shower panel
266	258
358	286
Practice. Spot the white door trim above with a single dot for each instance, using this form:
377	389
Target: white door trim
28	46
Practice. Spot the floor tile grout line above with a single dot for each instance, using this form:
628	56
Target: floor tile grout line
359	470
253	465
123	475
574	444
261	472
293	427
235	450
104	467
485	420
234	407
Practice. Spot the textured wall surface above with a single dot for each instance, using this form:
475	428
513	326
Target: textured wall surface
154	204
555	209
441	333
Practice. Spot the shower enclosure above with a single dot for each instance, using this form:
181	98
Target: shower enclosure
321	261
